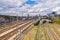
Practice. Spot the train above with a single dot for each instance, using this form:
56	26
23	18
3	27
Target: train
42	21
36	22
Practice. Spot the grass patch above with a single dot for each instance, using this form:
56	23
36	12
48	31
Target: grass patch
56	20
31	34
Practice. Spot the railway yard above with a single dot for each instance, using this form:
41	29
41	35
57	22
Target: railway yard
29	19
9	32
26	30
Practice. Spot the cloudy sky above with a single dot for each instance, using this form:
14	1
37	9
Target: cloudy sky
15	7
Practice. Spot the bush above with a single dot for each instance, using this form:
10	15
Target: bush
56	20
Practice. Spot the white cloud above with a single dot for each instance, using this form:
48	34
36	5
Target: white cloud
5	4
16	11
47	5
1	8
43	6
12	3
56	9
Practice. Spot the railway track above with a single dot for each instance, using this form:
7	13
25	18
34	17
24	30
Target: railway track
11	24
56	29
52	33
13	31
44	33
9	27
24	32
49	32
8	24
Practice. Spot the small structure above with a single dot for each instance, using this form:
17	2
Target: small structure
2	20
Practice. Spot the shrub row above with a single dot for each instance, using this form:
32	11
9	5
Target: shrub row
56	20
